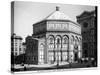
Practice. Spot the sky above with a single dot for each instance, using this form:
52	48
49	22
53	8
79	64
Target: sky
28	13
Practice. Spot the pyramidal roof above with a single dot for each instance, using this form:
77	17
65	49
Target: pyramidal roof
57	15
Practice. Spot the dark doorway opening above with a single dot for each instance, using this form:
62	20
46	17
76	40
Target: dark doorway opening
76	56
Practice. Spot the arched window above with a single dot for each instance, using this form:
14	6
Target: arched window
65	42
58	42
51	39
85	24
76	40
41	53
72	39
51	42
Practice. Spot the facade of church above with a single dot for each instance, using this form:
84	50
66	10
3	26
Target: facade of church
59	40
88	20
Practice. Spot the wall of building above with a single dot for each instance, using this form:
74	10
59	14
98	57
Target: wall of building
89	33
41	51
69	47
63	26
31	50
58	29
16	45
39	27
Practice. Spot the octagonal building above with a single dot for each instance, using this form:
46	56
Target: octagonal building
59	39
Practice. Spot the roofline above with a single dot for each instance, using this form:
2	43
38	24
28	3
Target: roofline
17	38
45	19
85	12
39	22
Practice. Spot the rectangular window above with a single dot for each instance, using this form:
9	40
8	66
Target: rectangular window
15	53
41	53
19	49
51	56
51	46
64	56
65	47
41	58
15	49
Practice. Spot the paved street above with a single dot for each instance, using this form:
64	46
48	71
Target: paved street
68	66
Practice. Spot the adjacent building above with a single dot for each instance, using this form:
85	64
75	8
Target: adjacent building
55	40
24	47
88	21
16	45
31	54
